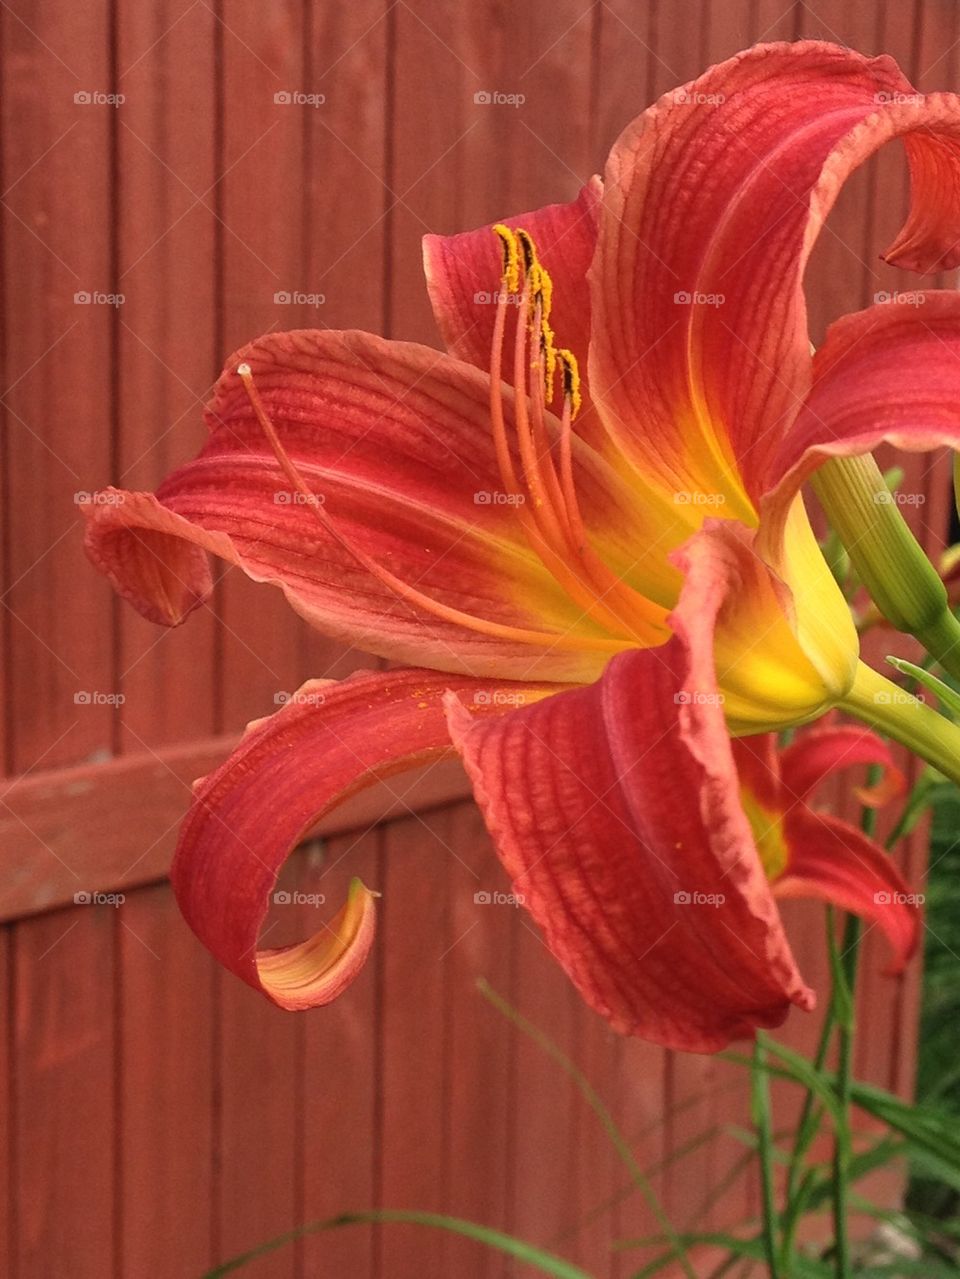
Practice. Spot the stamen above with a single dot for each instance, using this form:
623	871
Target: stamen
510	275
570	372
409	594
553	524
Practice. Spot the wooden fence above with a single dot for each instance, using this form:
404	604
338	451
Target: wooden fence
155	1114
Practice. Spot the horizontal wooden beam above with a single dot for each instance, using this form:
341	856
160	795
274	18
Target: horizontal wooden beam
112	827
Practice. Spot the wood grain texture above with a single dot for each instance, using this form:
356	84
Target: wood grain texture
156	1115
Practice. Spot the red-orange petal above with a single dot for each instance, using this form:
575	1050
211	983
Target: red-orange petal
889	373
817	753
834	862
329	741
616	812
394	440
712	202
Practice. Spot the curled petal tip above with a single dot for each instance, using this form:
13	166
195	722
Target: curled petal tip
314	972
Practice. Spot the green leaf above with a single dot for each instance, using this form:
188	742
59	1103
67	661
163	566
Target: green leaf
948	698
545	1262
747	1249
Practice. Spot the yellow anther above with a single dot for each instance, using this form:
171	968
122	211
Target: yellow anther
571	380
541	289
510	249
527	248
549	355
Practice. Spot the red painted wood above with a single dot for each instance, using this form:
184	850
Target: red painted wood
113	826
336	1103
59	365
165	1030
258	198
8	1206
412	1091
415	1042
64	1103
478	1093
167	342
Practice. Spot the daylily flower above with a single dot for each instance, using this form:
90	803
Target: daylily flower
598	575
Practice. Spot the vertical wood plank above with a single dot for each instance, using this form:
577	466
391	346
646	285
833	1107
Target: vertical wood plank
65	1098
8	1202
258	198
58	398
337	1100
166	340
478	1096
415	939
166	1058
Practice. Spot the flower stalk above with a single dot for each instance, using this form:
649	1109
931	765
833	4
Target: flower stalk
883	705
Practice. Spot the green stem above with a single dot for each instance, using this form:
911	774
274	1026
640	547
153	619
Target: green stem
846	969
807	1128
895	569
843	1003
884	706
760	1102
